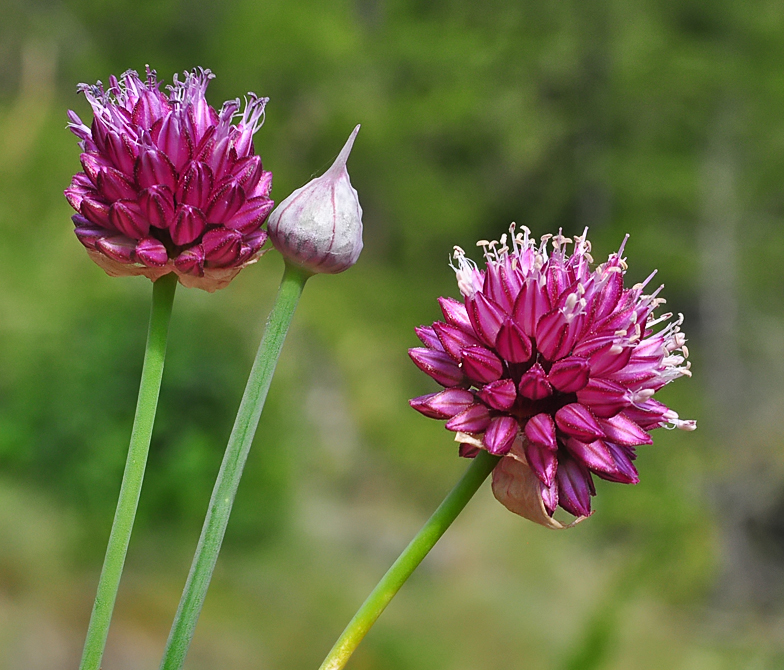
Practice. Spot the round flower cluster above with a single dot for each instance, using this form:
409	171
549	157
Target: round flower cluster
553	366
169	184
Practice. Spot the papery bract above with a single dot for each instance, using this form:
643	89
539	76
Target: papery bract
319	226
552	365
169	184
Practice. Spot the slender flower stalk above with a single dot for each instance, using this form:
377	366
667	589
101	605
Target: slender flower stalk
228	480
408	561
318	229
152	371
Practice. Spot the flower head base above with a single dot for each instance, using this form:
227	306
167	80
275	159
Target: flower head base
553	366
169	184
319	226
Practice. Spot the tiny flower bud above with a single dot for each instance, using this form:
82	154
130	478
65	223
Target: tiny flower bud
319	226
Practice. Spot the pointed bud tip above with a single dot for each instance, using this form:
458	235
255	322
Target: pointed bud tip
345	152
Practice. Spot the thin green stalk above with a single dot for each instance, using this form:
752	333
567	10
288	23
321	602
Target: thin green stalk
228	480
408	561
152	371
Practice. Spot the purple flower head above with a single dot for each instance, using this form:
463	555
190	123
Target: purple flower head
553	366
169	184
319	226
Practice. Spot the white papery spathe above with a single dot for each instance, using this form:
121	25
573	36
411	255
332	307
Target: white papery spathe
319	226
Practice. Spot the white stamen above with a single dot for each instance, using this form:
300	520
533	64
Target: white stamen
642	395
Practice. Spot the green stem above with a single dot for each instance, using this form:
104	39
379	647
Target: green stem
152	370
231	468
408	561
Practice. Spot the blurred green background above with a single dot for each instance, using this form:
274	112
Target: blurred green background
660	118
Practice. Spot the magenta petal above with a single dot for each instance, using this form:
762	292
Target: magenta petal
512	343
500	434
120	152
623	471
550	497
76	126
438	365
534	385
557	279
201	119
93	165
550	333
569	374
474	419
650	350
225	202
114	185
648	415
118	248
497	288
486	317
422	405
456	314
609	358
98	131
543	462
481	365
216	154
594	455
151	253
590	345
540	430
126	216
622	430
175	141
222	247
188	225
575	487
468	450
157	205
150	107
619	320
577	421
191	261
530	305
194	185
634	374
80	186
575	329
605	300
255	240
454	340
89	235
153	168
95	211
428	337
263	188
500	394
247	172
604	397
443	405
251	215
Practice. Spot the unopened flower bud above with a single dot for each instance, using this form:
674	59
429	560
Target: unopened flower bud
319	226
